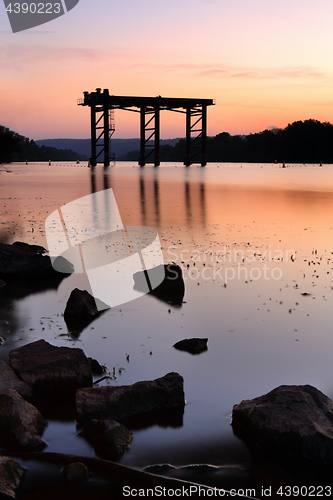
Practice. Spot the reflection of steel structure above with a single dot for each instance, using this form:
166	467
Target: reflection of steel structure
102	105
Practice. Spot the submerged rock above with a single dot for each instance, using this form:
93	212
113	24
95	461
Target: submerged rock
11	474
51	371
202	473
193	346
289	422
9	380
75	473
160	469
2	283
109	438
172	288
81	309
22	261
21	424
120	403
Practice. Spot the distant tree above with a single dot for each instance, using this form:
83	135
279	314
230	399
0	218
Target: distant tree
15	147
310	141
9	144
225	147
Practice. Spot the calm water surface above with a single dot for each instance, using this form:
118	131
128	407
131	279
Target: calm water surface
251	239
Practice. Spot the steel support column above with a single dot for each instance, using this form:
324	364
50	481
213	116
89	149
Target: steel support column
142	158
106	135
196	135
204	137
152	127
157	136
93	136
187	161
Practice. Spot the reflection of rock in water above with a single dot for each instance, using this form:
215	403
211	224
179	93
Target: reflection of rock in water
26	270
172	288
109	438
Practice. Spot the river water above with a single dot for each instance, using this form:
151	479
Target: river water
251	239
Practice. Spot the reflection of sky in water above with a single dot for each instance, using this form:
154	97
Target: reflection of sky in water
262	332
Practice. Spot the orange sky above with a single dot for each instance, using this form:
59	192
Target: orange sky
266	63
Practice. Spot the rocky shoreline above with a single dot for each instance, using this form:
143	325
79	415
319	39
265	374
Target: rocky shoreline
291	426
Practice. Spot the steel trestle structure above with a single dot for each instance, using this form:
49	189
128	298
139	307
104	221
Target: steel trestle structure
102	106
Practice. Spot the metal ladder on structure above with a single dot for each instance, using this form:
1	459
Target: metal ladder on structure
112	129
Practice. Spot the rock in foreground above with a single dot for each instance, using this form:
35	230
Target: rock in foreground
51	371
109	438
21	424
11	474
9	380
290	421
172	288
120	403
193	346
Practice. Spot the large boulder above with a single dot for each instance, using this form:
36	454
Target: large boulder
11	474
109	438
172	288
289	422
123	402
81	309
21	424
51	371
9	380
22	261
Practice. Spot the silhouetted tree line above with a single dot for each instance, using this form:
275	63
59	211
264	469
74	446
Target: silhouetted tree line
15	147
310	141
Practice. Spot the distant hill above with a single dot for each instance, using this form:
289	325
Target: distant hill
16	147
82	146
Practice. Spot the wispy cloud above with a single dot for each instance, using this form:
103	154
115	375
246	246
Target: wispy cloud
225	71
19	59
15	57
263	73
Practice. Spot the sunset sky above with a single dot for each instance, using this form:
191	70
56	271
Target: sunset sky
266	63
